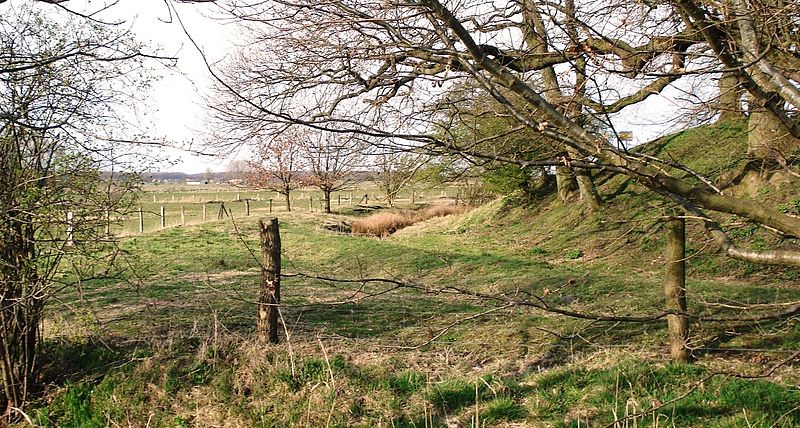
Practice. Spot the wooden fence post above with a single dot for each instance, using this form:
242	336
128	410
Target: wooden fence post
675	288
270	206
310	203
270	298
350	200
247	207
339	200
141	220
70	237
204	212
163	213
413	197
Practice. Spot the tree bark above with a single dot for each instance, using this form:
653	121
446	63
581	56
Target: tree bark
675	288
327	195
730	97
767	137
565	182
586	187
267	323
288	200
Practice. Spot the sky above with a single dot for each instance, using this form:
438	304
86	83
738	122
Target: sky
176	99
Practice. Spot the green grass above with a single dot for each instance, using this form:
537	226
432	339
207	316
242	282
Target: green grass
168	340
634	387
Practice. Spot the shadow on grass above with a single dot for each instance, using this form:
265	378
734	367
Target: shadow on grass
373	318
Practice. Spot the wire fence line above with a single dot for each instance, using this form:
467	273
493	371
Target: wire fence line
167	210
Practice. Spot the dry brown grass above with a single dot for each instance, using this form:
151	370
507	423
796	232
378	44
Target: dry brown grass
386	223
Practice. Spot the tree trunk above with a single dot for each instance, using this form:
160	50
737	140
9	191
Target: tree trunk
565	182
767	137
327	195
21	302
267	323
587	190
675	288
730	97
288	200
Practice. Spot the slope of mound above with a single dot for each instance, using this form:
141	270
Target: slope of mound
628	230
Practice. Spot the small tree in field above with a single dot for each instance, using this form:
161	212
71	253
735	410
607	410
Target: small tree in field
395	172
278	163
331	161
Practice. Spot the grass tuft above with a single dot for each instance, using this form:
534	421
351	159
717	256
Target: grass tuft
503	409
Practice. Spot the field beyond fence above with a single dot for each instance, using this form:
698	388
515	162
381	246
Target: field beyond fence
189	205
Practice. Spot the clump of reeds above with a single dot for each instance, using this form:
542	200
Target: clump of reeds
386	223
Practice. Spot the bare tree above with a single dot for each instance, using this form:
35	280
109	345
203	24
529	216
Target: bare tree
237	170
59	115
279	163
396	171
332	160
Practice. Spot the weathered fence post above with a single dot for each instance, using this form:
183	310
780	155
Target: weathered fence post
675	288
141	220
267	323
270	206
247	207
310	203
163	217
183	216
204	212
339	200
238	198
413	197
70	237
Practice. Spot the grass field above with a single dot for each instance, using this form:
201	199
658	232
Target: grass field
169	342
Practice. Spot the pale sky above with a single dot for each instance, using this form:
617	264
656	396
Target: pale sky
176	98
175	101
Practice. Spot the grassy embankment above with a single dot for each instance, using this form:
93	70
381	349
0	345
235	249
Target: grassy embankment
171	346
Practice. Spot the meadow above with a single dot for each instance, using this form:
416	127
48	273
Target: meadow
169	339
